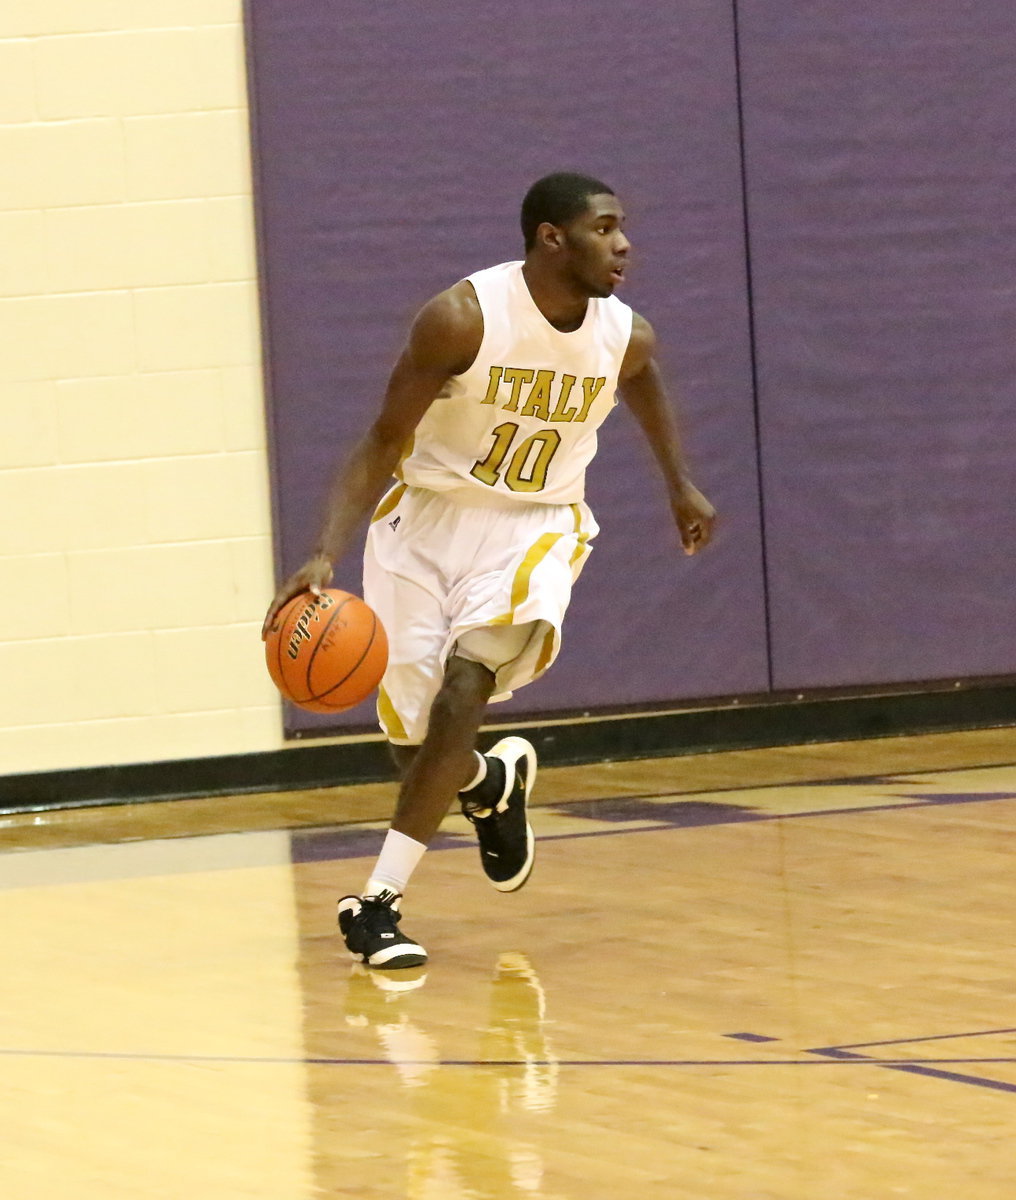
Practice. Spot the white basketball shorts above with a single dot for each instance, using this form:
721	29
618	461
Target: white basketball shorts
436	568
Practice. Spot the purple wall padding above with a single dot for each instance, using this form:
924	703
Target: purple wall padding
881	174
394	143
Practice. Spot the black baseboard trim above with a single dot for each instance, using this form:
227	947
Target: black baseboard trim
742	724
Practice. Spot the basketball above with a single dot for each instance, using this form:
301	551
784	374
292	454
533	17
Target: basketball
326	653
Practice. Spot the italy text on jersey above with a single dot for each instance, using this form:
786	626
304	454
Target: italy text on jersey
547	398
548	388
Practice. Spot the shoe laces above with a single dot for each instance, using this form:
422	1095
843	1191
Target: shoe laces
485	815
378	912
477	812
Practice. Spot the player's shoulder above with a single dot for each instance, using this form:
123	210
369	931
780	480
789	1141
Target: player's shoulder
450	325
454	310
641	346
643	336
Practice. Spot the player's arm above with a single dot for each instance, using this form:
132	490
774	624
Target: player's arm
641	387
443	341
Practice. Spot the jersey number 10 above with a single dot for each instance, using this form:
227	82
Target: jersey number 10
521	474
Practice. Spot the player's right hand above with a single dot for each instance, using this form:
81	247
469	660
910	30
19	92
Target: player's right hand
313	576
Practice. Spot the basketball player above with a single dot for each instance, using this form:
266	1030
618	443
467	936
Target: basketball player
488	424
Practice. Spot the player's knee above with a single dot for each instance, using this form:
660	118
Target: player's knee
403	757
466	686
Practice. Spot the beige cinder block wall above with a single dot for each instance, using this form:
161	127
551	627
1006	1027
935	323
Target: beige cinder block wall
135	556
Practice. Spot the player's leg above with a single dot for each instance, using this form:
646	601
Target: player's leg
496	800
511	593
445	762
431	704
494	788
444	765
410	609
403	757
436	771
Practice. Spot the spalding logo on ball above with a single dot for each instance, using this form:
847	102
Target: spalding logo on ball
326	653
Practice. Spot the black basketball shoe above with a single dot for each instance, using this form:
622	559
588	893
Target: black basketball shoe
370	927
507	844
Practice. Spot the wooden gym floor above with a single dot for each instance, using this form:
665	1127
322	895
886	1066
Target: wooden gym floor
764	975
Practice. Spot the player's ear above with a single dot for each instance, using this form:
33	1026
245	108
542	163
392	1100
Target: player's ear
550	236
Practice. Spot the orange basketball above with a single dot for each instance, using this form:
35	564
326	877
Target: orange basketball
326	653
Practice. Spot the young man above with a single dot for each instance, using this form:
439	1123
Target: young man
488	424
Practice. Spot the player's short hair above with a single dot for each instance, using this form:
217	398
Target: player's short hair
558	198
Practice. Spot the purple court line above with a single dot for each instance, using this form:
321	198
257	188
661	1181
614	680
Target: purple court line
454	841
920	1067
883	778
935	1037
746	818
835	1058
893	780
755	818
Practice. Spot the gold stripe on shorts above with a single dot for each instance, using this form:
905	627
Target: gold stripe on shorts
389	718
391	501
546	650
535	555
580	549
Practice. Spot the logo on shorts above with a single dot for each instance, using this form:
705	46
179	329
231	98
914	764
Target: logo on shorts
394	524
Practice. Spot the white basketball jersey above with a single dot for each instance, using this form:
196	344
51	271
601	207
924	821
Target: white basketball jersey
520	424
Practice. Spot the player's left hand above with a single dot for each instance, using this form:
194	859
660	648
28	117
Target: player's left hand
695	518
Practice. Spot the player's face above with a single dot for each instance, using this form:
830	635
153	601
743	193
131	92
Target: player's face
597	249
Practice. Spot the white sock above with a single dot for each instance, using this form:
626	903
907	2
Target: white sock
481	773
395	864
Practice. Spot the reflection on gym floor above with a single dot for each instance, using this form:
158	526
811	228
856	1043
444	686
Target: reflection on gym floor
770	975
480	1147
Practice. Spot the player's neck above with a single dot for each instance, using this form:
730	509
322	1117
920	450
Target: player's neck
561	301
